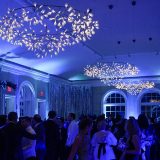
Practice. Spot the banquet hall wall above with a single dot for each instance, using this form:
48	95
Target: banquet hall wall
54	93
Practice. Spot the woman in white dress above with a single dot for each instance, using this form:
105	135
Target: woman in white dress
102	143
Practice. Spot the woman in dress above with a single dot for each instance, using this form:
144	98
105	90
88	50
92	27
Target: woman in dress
133	146
81	145
102	142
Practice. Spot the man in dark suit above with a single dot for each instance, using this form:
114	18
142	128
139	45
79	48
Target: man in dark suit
52	137
3	120
14	133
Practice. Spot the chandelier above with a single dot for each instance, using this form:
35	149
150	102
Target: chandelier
111	73
47	29
135	87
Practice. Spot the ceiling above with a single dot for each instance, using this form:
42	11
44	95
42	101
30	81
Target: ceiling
128	33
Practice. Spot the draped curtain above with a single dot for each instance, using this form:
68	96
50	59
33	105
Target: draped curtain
65	98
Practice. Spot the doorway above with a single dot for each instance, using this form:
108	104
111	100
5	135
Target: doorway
26	101
9	105
42	108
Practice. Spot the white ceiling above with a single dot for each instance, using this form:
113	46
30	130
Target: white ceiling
123	23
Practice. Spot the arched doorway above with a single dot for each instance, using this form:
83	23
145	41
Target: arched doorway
26	100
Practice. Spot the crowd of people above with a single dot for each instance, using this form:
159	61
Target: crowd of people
88	138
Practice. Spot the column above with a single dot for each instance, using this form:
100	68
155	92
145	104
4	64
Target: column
132	107
2	99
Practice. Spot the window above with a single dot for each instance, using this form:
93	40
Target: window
114	105
150	104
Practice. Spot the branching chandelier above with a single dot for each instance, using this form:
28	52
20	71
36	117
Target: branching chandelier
111	73
135	87
115	74
47	29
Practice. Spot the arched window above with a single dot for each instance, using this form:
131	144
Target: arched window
150	104
114	104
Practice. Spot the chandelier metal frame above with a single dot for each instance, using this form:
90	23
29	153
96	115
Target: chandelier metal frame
47	29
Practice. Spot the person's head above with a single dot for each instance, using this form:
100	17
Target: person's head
132	127
85	126
51	114
3	120
37	118
62	119
101	125
12	116
100	118
143	121
26	121
71	117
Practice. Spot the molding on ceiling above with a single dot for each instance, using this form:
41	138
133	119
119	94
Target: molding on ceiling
20	70
59	80
97	82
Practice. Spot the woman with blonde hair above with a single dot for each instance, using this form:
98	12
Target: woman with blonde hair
81	145
133	146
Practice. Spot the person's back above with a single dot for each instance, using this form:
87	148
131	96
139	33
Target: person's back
102	141
52	133
3	140
155	151
133	145
52	138
14	133
13	141
63	138
13	137
3	144
82	145
84	151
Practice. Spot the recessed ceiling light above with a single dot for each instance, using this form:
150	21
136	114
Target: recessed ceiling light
157	53
133	2
119	42
110	6
150	38
134	40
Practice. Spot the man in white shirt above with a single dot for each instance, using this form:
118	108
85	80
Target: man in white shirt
72	132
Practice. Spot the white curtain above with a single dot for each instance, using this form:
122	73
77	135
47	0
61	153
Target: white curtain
65	98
